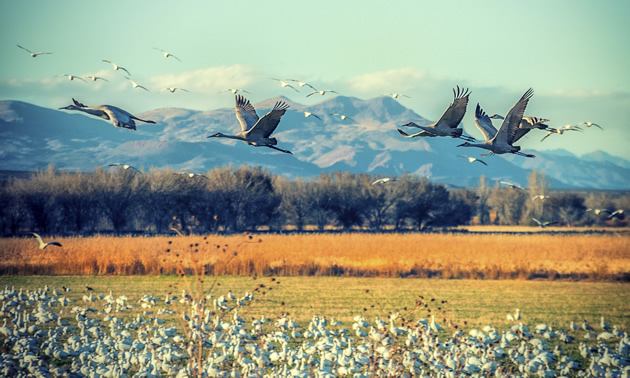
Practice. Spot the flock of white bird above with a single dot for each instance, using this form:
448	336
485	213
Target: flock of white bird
45	333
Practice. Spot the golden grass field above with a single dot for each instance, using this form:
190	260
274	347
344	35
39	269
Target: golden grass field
477	256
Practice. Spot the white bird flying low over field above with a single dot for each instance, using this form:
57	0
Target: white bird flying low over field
125	167
256	131
543	224
448	124
191	174
42	244
118	116
512	185
33	54
383	180
116	66
501	141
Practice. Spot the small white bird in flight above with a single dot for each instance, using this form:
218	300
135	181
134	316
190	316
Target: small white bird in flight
541	197
117	67
173	89
512	185
383	180
43	245
472	159
343	117
34	55
285	84
302	84
308	114
94	78
125	167
589	124
561	130
234	90
322	92
543	224
191	174
167	54
118	116
72	77
396	95
136	85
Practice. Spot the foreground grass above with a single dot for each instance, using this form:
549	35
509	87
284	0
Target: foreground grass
477	256
469	303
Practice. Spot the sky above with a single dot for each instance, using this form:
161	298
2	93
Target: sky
574	54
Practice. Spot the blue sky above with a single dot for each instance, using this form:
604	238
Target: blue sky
573	53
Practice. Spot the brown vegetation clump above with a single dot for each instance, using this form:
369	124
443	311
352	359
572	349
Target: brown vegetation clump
489	256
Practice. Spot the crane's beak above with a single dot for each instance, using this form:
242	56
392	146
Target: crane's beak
463	144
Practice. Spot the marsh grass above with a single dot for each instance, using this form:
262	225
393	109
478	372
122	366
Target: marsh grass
460	256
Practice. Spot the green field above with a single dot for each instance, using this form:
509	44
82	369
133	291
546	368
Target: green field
477	302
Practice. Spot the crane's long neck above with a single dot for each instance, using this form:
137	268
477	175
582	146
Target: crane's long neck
94	112
221	135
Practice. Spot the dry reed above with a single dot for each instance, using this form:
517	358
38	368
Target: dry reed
480	256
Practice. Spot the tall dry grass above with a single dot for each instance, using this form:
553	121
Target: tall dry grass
480	256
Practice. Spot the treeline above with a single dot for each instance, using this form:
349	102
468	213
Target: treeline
250	198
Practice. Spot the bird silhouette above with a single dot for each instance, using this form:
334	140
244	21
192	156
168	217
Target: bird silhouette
396	95
256	131
42	244
321	92
543	224
561	130
342	116
125	167
512	185
302	84
308	114
589	124
501	141
94	78
173	89
117	67
72	77
136	85
234	90
118	116
167	54
472	159
448	124
383	180
191	174
285	84
34	54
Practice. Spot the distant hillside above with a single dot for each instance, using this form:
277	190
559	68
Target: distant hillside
33	137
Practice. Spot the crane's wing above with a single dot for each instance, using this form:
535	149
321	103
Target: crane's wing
245	113
39	238
77	103
119	117
534	122
484	123
512	121
520	132
24	48
455	111
268	123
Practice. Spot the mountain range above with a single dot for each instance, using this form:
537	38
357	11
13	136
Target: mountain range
32	137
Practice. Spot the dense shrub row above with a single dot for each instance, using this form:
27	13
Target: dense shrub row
250	198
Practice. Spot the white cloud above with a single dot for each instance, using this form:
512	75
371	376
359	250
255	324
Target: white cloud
208	80
399	79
